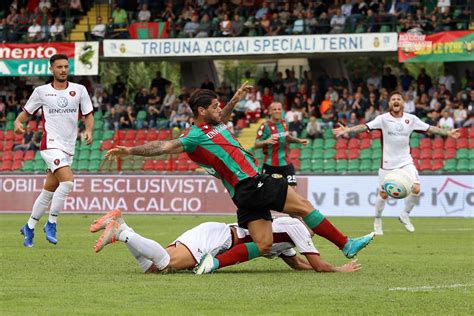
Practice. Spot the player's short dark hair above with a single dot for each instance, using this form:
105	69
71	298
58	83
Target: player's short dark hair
394	92
56	57
201	98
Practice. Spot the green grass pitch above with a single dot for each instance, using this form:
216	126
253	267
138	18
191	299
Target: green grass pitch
428	272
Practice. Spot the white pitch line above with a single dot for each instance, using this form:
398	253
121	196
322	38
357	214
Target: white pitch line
429	288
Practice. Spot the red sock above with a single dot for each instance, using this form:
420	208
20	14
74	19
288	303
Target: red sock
330	232
238	254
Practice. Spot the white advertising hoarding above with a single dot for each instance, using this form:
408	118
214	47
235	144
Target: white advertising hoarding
442	196
261	45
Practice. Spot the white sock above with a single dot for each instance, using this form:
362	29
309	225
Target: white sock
410	202
59	197
147	248
143	262
40	207
124	226
379	206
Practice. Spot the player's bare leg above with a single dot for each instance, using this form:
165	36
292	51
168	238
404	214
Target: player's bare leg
40	207
299	206
410	202
379	206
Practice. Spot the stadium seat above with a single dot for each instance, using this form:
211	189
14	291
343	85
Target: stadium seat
10	135
449	153
437	164
317	153
294	153
462	154
365	143
425	165
97	136
341	166
450	165
182	166
329	143
317	165
354	143
341	143
464	132
164	134
29	155
161	165
39	166
141	134
107	144
376	144
95	155
27	166
108	135
130	134
425	143
470	132
329	154
365	154
462	143
415	153
341	154
94	166
328	134
18	138
98	125
329	166
318	143
450	143
353	154
376	154
1	146
140	142
364	135
17	165
83	165
375	165
6	165
353	166
414	142
438	154
7	155
18	155
84	154
193	166
462	165
148	165
426	154
471	154
2	136
471	143
375	134
8	145
128	143
98	115
365	165
306	153
438	143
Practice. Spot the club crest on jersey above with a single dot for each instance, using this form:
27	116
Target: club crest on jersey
62	102
56	162
277	176
72	93
407	121
259	133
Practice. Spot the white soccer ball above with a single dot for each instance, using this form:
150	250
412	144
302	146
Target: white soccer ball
398	184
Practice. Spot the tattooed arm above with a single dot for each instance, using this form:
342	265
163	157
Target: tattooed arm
227	110
444	132
150	149
344	130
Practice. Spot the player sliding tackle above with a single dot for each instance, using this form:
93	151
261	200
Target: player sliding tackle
214	238
396	127
210	144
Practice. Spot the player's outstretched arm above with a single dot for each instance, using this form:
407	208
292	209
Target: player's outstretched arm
227	110
155	148
454	133
297	140
21	119
89	123
273	139
344	130
319	265
297	263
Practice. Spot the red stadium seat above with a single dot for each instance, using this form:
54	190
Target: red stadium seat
438	143
425	165
375	134
437	164
470	132
425	143
364	135
130	134
354	143
8	145
33	125
193	166
449	153
365	143
17	165
160	165
294	153
6	165
30	154
148	165
341	154
353	154
10	135
415	153
464	132
141	134
341	143
7	155
438	154
107	144
462	143
140	142
119	135
129	143
18	138
152	135
426	154
2	136
182	165
1	145
450	143
18	155
164	134
471	143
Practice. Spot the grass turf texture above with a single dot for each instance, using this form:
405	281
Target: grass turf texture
70	278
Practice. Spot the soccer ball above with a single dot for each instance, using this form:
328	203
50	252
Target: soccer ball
398	184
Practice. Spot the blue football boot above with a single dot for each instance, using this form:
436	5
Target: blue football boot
29	235
354	245
50	231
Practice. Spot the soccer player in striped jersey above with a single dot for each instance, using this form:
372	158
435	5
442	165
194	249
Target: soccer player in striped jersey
273	136
62	103
396	127
214	238
210	144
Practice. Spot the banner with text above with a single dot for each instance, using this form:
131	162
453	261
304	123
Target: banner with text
442	196
439	47
33	59
242	46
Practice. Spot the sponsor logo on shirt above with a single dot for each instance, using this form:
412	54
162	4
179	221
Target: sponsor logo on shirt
50	95
61	111
216	131
62	102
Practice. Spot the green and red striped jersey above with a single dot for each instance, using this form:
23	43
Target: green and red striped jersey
277	154
215	149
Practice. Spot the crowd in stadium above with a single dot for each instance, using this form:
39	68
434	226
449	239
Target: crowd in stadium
311	104
36	21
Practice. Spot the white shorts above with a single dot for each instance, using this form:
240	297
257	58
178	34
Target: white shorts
56	158
213	238
410	169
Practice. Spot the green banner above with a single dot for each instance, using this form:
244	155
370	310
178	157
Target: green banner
439	47
28	67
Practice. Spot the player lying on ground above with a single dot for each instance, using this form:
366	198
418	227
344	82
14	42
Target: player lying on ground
210	144
213	238
396	127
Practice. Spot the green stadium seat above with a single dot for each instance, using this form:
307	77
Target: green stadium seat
96	145
39	166
376	144
462	153
98	115
293	145
141	115
329	154
375	165
341	166
329	143
327	133
385	29
376	153
353	166
365	165
305	165
365	154
462	165
449	165
98	125
318	143
414	142
75	164
329	166
95	155
83	165
317	153
317	165
306	153
97	135
471	154
28	166
10	116
108	135
94	166
127	164
84	154
9	126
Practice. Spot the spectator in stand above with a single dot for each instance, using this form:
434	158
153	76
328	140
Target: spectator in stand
153	98
371	113
141	99
353	121
168	102
447	80
119	17
313	129
279	88
161	84
310	22
127	118
253	108
324	26
207	84
359	105
98	31
118	89
296	126
152	115
204	29
57	31
338	21
298	24
409	104
168	12
237	26
406	79
424	79
267	99
374	80
35	32
27	141
180	118
333	95
13	17
446	121
112	118
144	15
346	8
325	104
460	115
263	11
191	28
265	81
97	100
46	30
225	26
76	9
290	115
389	81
